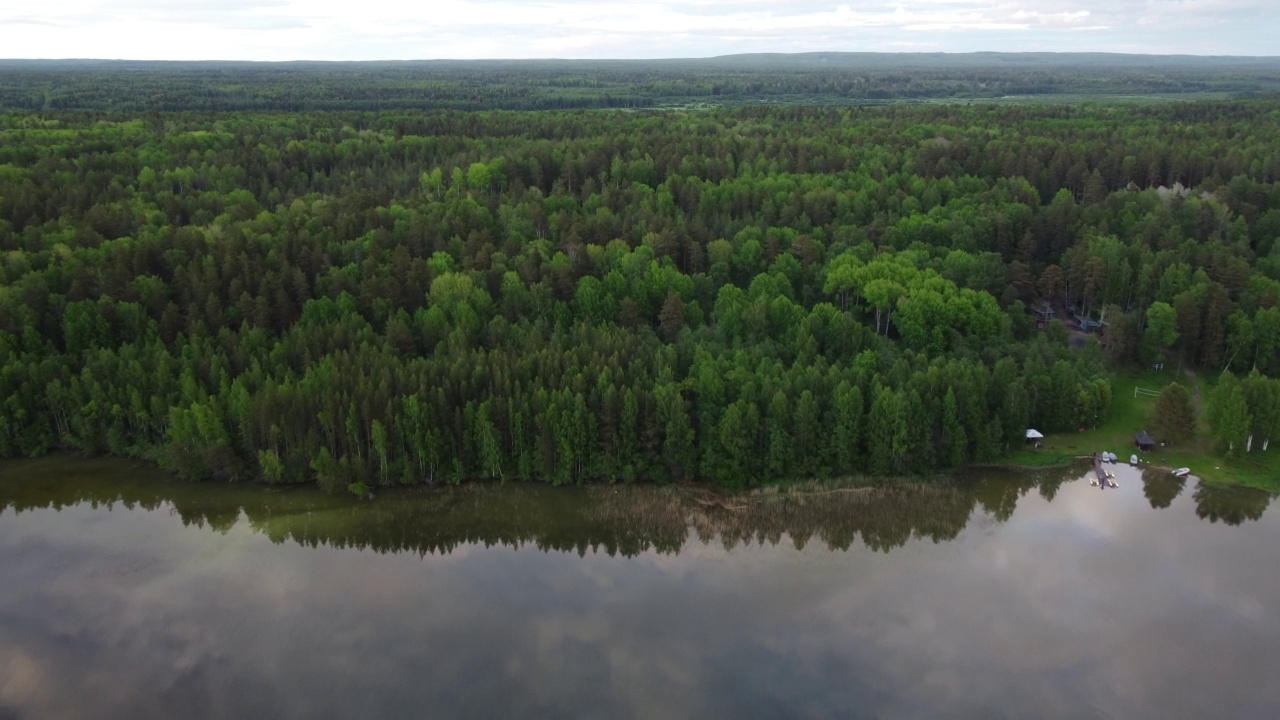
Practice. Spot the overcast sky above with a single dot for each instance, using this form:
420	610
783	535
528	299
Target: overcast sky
420	29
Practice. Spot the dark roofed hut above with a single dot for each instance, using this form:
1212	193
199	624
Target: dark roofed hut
1144	441
1043	312
1089	325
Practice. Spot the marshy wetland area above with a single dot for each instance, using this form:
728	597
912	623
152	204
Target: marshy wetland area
126	593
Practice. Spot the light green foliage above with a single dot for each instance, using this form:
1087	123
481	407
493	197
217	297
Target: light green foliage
1229	416
1262	397
486	438
843	278
1162	329
479	177
270	466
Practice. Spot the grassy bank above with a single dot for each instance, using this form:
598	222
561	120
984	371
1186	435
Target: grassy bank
1131	413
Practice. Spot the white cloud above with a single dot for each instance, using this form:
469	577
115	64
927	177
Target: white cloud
385	29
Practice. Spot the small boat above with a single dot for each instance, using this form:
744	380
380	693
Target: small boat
1133	459
1182	472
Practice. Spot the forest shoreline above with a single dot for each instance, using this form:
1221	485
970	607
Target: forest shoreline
788	487
807	488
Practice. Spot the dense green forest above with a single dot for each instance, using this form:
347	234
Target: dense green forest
732	295
809	78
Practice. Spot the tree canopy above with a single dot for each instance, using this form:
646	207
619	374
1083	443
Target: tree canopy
730	295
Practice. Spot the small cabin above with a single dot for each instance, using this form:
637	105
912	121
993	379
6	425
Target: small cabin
1143	441
1043	312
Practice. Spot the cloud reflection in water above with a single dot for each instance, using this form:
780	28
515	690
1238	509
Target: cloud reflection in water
1005	603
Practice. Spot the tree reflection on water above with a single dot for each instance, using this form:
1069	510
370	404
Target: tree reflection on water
618	520
1230	505
1161	487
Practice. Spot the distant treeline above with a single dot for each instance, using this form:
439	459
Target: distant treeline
817	78
733	296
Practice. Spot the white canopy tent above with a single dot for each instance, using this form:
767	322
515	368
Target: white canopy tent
1034	434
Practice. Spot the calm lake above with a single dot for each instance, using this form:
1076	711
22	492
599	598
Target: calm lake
124	594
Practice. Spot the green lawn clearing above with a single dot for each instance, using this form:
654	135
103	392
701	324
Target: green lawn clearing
1130	414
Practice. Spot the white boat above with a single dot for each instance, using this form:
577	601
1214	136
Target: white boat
1182	472
1133	459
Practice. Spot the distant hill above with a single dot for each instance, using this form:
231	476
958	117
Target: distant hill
806	59
803	78
1049	60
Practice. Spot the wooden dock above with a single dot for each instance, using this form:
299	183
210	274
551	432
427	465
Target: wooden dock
1101	479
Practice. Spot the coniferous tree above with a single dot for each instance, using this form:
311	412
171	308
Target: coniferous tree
1173	416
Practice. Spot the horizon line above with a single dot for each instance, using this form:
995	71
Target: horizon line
891	53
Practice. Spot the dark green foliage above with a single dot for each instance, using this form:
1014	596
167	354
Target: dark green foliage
362	300
1173	417
811	78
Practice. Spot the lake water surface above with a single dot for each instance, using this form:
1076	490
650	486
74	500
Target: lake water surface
124	594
